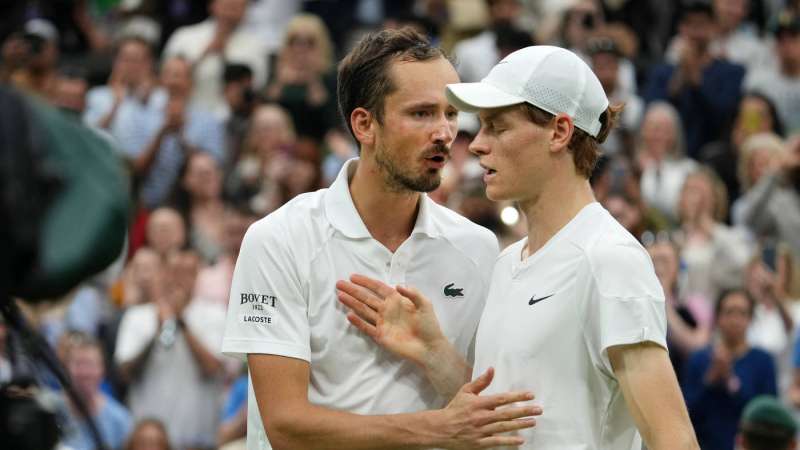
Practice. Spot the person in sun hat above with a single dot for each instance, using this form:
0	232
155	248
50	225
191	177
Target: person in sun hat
575	311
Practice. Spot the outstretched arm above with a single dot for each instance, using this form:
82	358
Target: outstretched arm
403	321
468	422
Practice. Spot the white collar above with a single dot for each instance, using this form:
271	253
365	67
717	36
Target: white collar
342	214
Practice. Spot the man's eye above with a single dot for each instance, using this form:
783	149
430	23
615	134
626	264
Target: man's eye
421	114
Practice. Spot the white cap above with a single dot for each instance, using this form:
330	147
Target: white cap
551	78
42	28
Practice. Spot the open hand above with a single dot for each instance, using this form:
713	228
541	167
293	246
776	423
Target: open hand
474	421
399	319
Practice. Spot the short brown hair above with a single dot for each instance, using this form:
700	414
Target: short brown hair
585	148
363	79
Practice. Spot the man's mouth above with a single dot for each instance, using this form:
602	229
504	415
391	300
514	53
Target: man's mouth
488	170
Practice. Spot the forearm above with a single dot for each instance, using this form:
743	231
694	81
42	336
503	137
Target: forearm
676	83
132	369
105	121
209	363
145	160
687	339
786	318
316	428
651	392
446	369
756	215
665	423
233	429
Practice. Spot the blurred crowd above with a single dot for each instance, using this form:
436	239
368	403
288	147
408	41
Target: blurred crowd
223	110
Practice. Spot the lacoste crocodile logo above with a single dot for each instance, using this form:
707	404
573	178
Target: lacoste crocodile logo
450	291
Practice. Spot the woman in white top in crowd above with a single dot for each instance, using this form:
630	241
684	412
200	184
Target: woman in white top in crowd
714	253
660	155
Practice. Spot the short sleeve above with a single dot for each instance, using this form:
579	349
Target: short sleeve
137	329
625	302
267	308
98	104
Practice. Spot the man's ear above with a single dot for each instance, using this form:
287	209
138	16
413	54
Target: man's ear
562	132
363	124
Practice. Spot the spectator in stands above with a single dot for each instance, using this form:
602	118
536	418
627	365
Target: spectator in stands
168	353
197	196
583	20
70	91
737	40
79	29
719	380
139	279
125	101
475	56
782	85
85	365
149	434
703	88
210	44
166	232
39	55
304	82
268	20
165	137
767	425
689	317
715	254
605	58
759	155
756	114
627	211
240	100
661	158
579	24
266	148
773	204
772	325
214	281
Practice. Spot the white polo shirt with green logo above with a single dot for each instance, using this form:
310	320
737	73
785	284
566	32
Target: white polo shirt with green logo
550	319
283	298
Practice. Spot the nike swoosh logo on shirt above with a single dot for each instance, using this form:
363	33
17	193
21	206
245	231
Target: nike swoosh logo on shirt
535	300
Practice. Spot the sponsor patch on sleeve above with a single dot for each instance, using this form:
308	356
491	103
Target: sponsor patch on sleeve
257	308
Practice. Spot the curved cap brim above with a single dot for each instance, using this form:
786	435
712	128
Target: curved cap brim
472	97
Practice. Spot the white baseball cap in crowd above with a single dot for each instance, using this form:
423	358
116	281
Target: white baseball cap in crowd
551	78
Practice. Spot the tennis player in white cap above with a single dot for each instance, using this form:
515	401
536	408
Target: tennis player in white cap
575	312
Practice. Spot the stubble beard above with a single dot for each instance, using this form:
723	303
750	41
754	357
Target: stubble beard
400	179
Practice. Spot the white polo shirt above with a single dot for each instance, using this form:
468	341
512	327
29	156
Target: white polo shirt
550	319
283	298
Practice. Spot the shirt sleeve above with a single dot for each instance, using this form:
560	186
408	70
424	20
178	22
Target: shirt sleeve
98	104
625	302
267	308
137	328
